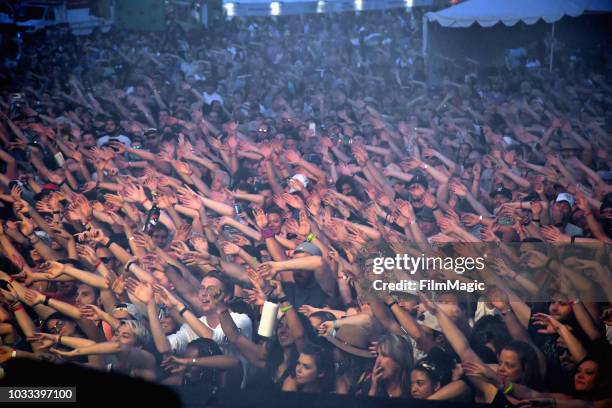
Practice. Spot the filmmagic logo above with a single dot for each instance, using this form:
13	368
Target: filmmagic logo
428	285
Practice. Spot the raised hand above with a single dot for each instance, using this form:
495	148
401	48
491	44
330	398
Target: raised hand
43	340
140	290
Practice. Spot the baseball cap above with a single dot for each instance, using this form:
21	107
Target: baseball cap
419	178
302	179
426	215
566	197
309	248
502	190
430	321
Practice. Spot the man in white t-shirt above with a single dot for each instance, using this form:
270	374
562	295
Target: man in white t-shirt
210	326
210	93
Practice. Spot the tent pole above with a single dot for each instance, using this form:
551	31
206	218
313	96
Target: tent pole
552	48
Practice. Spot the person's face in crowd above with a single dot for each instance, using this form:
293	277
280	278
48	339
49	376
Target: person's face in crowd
449	303
283	334
85	295
560	308
88	140
417	193
203	294
152	140
464	151
168	324
567	362
160	236
346	188
560	211
218	182
306	371
275	221
192	352
390	368
509	368
303	278
36	256
315	321
110	127
290	144
214	118
163	115
421	385
124	335
427	227
65	327
586	377
499	199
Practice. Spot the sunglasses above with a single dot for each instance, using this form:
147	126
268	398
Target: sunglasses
121	307
58	326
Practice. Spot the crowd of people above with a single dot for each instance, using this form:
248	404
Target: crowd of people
159	188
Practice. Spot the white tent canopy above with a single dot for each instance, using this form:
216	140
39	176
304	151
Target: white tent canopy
487	13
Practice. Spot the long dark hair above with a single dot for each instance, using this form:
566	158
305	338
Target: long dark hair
528	358
324	359
210	376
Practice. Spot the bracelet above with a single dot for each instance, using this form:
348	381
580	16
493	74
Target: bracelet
287	308
144	201
18	308
128	264
98	264
311	237
59	339
46	301
110	242
14	305
182	311
390	305
267	233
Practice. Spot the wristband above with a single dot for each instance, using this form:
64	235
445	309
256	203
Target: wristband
144	201
182	311
267	233
59	339
128	264
311	237
110	242
18	308
98	264
46	301
287	308
390	305
508	389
